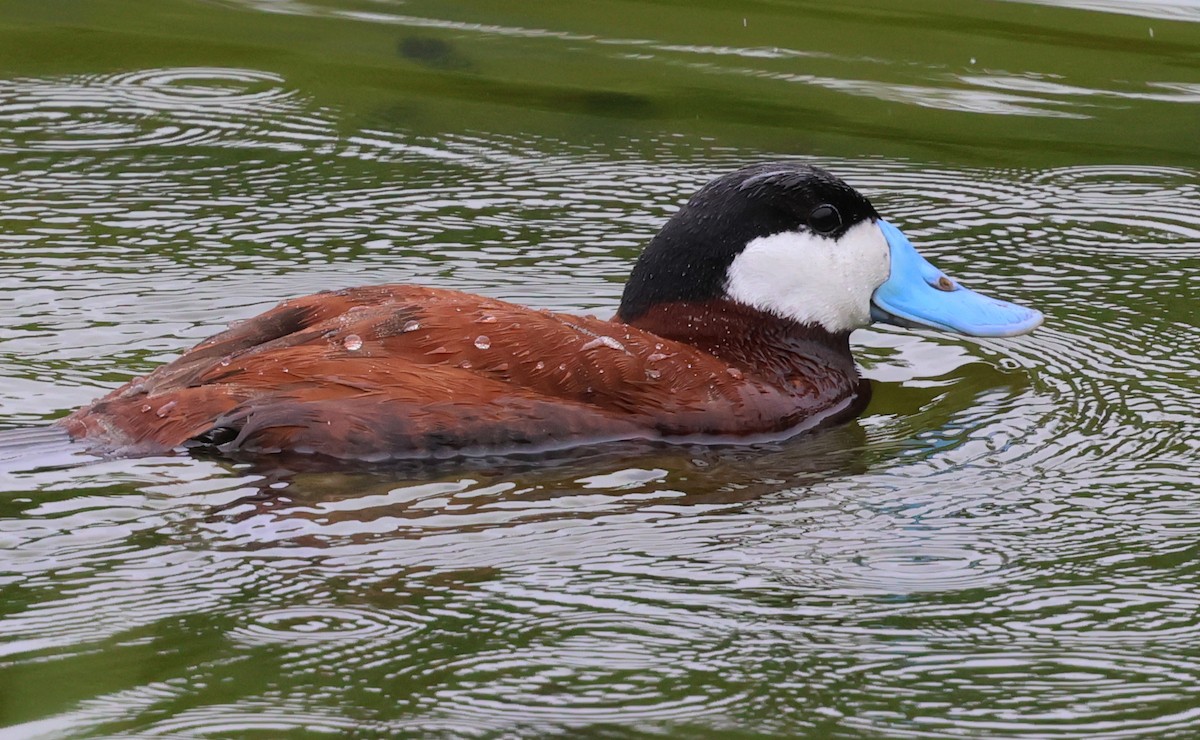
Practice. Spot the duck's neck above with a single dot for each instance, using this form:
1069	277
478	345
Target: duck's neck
755	341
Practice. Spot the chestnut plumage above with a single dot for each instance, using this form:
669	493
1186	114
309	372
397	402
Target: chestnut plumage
395	371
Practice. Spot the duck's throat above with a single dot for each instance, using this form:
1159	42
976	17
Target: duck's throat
756	341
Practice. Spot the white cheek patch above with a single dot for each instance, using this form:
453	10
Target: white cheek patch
813	279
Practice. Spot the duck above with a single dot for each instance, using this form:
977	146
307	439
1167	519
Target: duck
734	326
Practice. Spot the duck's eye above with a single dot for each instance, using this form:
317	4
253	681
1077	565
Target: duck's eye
825	219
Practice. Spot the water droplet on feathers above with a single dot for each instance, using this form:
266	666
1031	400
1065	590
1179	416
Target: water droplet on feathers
482	342
604	342
352	342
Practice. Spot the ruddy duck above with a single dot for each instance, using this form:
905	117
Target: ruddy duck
735	323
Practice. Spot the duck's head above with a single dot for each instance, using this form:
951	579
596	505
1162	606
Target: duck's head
793	241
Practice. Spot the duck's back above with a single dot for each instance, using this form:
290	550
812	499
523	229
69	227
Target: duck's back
395	371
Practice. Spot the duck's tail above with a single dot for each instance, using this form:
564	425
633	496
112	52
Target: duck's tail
34	447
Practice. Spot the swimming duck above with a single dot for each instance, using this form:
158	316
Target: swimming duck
735	323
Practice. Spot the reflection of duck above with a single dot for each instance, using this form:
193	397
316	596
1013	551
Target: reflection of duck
503	491
735	322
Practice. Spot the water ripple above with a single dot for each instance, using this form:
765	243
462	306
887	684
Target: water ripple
320	624
272	716
555	677
1029	694
192	106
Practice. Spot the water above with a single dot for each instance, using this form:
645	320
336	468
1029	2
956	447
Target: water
1003	546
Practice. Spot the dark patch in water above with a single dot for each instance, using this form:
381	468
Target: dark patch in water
609	103
432	52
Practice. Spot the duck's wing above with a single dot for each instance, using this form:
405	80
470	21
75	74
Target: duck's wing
396	370
453	414
301	400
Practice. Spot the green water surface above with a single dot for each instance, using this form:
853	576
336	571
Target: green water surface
1004	545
